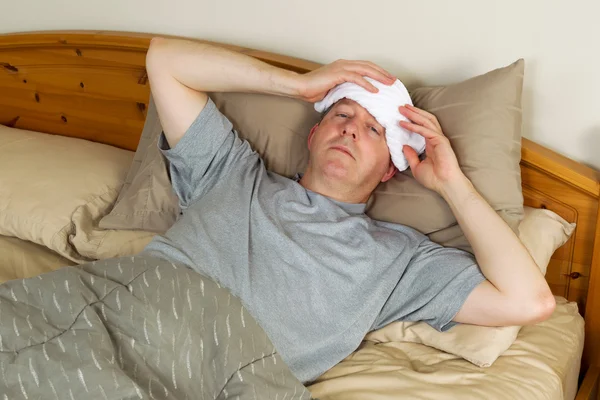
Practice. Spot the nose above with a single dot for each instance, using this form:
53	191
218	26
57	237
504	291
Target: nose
349	130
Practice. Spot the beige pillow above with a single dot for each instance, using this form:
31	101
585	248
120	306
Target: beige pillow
481	116
23	259
482	119
96	243
146	200
542	232
277	127
51	185
551	230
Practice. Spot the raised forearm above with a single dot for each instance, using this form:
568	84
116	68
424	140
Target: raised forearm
208	68
503	259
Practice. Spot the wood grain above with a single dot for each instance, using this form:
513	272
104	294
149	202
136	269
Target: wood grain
591	353
589	389
565	169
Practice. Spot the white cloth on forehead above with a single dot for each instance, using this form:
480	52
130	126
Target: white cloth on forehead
383	106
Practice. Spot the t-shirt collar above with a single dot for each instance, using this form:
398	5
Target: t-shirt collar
350	208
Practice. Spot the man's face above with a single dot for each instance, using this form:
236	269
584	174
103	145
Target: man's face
350	145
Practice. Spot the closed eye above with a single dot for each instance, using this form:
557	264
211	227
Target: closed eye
346	116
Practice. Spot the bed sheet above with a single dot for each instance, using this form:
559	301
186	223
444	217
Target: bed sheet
543	363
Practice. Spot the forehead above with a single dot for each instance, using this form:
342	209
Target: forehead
350	102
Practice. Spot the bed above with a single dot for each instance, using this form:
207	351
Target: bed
85	84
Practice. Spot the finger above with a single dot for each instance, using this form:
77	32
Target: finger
416	117
359	80
411	156
420	111
425	114
369	65
378	68
424	131
364	70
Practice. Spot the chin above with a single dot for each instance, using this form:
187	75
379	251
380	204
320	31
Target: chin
338	171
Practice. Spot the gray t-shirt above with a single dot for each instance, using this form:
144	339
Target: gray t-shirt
316	273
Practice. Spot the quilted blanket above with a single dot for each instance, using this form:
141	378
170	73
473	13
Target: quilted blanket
134	328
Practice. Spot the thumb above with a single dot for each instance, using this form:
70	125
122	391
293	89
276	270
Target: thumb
411	156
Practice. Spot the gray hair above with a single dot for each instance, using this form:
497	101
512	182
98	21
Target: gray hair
324	113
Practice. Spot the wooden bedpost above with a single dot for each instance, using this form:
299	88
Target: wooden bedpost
591	352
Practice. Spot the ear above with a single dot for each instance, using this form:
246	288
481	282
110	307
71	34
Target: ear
390	172
312	134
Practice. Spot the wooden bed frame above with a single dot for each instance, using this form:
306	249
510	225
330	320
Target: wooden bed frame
93	85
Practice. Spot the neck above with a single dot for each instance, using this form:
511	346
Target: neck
333	188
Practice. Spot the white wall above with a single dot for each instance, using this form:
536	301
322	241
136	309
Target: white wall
426	41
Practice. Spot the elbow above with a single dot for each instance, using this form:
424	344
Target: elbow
156	43
540	308
154	54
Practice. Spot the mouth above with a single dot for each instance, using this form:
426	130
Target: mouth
343	149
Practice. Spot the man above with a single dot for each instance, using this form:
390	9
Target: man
312	268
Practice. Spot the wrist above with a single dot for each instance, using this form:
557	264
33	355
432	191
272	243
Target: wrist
290	84
455	191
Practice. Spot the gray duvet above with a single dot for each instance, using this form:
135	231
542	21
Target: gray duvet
134	328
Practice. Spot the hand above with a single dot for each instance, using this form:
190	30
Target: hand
314	85
440	168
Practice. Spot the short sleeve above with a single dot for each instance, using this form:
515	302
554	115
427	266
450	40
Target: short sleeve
204	155
433	288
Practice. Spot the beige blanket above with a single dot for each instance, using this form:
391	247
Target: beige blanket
543	363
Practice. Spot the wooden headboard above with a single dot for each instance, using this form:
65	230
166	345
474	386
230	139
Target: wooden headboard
93	85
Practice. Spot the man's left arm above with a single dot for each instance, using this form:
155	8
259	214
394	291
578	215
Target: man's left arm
515	292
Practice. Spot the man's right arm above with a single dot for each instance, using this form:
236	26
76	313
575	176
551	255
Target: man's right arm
182	71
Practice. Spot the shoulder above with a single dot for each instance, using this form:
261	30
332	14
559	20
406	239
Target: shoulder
399	228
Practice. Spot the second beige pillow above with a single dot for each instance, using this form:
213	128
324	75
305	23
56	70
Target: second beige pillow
481	117
146	200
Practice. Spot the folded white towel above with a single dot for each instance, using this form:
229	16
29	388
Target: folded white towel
383	106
